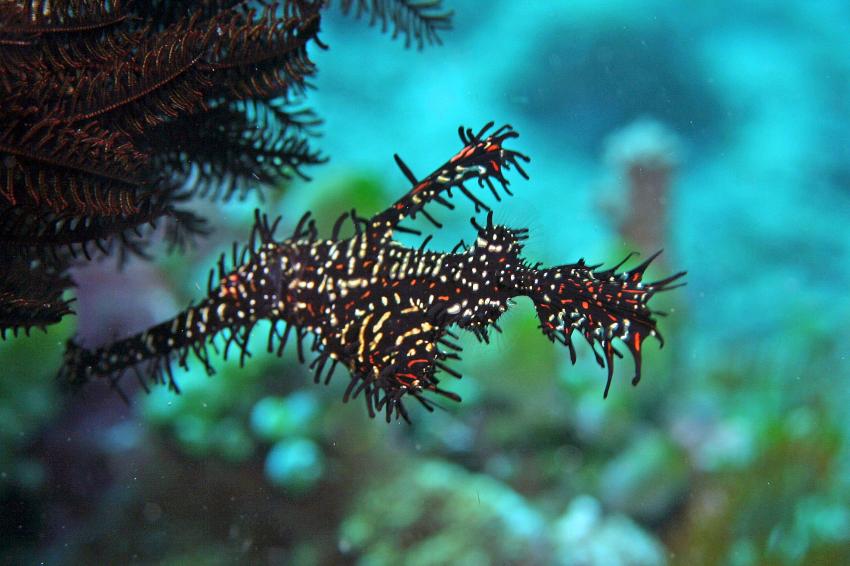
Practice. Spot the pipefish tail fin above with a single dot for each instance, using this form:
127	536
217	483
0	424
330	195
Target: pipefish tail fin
600	305
240	293
153	352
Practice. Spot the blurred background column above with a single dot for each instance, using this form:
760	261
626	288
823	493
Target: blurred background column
645	158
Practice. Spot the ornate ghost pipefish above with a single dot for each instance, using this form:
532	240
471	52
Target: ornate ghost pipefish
384	310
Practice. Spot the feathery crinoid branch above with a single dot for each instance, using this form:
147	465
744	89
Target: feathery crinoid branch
114	114
232	148
31	297
419	21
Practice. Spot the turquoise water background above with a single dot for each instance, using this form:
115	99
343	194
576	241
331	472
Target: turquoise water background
733	116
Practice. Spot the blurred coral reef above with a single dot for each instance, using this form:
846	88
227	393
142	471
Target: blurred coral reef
720	130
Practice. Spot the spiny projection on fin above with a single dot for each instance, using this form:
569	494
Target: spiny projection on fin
385	311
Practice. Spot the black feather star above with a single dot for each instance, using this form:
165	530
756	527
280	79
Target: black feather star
114	114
